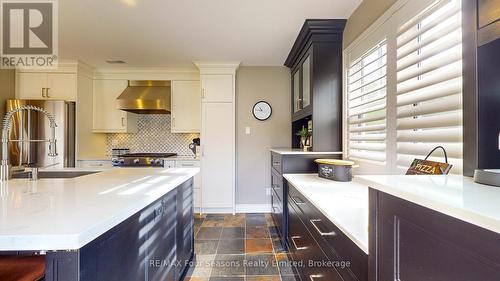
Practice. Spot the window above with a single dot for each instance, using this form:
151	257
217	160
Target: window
367	105
429	84
403	87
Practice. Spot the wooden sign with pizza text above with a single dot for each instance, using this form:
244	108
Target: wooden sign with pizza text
426	167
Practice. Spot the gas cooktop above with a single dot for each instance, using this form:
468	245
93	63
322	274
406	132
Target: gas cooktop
141	159
154	155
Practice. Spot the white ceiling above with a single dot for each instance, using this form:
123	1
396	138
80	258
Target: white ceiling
173	33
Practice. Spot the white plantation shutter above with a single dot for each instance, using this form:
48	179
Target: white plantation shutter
366	105
429	84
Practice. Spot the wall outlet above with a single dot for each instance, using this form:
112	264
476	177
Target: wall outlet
247	130
268	191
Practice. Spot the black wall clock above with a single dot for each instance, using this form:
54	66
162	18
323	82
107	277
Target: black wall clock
262	110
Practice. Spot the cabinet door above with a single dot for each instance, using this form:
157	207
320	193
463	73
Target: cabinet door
296	91
107	118
161	242
197	179
306	82
277	212
185	224
416	243
31	85
61	86
217	88
123	247
186	107
217	163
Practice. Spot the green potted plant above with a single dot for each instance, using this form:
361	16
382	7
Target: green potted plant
304	135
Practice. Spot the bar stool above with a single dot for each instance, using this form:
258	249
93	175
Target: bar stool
22	268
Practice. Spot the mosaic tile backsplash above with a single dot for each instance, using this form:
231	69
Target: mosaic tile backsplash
153	135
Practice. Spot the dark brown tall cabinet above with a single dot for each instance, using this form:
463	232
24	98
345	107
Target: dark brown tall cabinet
481	84
316	64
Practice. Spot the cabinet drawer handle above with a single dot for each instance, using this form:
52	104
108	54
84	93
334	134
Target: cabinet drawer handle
123	121
295	244
187	165
313	222
312	277
43	92
294	199
47	92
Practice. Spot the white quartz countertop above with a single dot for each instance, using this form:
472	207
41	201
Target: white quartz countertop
453	195
344	203
300	151
65	214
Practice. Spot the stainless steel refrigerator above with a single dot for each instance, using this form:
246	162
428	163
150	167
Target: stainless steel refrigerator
35	125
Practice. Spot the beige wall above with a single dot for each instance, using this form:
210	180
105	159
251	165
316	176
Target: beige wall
7	88
271	84
366	13
90	146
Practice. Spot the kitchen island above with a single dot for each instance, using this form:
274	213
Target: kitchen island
118	224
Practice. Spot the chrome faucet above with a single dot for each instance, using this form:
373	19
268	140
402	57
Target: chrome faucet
5	170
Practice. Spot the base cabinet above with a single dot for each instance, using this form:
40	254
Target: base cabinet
184	228
154	244
307	252
288	164
110	250
161	239
323	251
413	243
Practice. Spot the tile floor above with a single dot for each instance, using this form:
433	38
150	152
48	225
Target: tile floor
241	247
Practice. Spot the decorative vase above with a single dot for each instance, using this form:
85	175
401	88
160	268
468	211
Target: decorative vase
303	142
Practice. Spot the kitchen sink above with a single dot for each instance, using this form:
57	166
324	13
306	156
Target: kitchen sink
54	174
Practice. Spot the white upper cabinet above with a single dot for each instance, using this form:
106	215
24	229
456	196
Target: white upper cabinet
61	86
43	85
217	88
186	107
106	117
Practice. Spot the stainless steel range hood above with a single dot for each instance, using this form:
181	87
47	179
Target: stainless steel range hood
145	97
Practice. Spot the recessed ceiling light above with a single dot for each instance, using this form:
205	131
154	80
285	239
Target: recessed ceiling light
130	2
115	61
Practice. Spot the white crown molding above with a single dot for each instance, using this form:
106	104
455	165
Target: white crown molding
66	66
147	73
217	67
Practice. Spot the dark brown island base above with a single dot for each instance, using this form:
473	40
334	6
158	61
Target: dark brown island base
154	244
